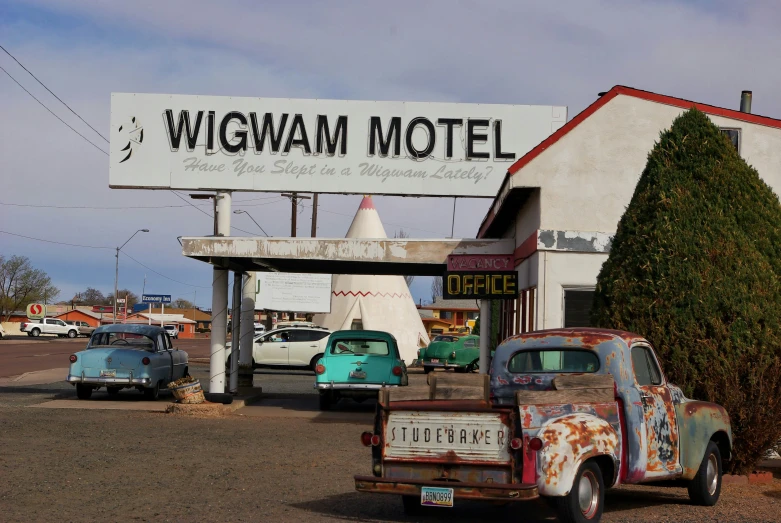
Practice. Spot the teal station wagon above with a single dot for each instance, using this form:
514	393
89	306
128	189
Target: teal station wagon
356	364
461	354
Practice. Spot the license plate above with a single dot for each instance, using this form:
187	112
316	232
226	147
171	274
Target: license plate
434	360
108	373
358	374
436	497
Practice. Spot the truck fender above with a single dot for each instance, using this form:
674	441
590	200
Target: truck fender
567	442
700	422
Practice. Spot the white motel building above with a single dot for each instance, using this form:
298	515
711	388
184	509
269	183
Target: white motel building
561	202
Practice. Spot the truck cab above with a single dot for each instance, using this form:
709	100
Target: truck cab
564	414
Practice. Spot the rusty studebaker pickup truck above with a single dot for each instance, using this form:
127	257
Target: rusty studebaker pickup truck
564	414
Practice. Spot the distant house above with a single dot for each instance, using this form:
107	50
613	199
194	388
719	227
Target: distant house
80	314
185	326
203	320
445	316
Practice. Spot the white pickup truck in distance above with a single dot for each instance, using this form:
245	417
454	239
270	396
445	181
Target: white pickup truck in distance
35	328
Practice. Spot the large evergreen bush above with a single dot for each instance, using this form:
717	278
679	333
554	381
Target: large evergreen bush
695	267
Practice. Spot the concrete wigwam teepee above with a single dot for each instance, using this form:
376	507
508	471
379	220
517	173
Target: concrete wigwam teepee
374	302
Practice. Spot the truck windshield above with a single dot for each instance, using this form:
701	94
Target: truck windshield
376	347
121	340
553	360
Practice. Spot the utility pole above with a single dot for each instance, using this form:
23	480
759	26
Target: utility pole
314	215
294	197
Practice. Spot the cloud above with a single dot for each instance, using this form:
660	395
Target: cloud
560	53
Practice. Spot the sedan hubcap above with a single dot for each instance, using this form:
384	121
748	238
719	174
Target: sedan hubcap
712	474
588	494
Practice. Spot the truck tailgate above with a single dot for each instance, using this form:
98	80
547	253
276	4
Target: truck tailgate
461	437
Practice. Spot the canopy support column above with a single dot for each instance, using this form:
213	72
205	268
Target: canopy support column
246	373
485	335
219	326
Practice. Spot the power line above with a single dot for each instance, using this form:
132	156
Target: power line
320	209
206	213
52	112
108	248
52	241
54	95
163	275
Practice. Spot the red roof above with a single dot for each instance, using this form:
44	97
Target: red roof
604	99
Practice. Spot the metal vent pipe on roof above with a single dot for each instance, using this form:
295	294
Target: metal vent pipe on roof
745	102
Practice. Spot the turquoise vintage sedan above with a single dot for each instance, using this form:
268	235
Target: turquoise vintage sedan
461	354
127	356
356	364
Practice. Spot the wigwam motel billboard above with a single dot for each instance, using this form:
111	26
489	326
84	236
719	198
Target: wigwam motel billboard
326	146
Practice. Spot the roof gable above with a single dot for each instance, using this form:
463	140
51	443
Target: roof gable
594	107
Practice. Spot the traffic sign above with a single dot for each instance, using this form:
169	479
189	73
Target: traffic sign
36	311
156	298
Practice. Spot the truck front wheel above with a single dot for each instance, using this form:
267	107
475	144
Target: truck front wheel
587	497
705	488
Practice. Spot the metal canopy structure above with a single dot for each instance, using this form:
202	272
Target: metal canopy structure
413	257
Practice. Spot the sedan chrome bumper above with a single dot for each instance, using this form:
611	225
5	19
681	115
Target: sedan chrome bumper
444	365
108	381
355	386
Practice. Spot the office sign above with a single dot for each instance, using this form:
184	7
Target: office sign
155	298
161	141
293	292
480	285
480	262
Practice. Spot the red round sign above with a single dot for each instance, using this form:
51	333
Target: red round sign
36	309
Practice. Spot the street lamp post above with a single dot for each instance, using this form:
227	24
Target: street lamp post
116	273
239	211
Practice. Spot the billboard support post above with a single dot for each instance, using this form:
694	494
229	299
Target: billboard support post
219	301
235	333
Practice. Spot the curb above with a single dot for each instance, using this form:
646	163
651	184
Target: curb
755	478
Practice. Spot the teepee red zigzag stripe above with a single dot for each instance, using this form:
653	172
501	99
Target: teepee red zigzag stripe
372	294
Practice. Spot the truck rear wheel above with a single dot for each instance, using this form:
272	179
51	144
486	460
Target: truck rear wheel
587	497
35	333
705	487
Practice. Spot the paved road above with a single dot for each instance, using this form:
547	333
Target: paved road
20	354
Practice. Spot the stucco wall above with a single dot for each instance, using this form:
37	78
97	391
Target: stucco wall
558	270
588	177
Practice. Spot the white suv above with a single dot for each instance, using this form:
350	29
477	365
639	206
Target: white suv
172	331
287	347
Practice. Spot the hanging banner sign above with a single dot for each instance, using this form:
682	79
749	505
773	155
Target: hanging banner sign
480	285
161	141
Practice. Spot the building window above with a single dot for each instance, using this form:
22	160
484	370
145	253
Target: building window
471	315
446	315
577	307
733	135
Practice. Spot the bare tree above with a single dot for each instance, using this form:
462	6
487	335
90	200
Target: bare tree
436	288
181	303
21	284
401	233
92	297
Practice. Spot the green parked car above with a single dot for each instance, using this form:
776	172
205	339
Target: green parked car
356	364
460	353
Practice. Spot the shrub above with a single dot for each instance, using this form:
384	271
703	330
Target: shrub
694	267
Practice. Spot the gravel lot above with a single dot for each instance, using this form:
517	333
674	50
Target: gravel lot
88	465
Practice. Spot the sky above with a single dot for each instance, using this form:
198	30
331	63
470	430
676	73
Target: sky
489	51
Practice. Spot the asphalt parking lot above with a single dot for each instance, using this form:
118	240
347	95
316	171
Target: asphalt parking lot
280	460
